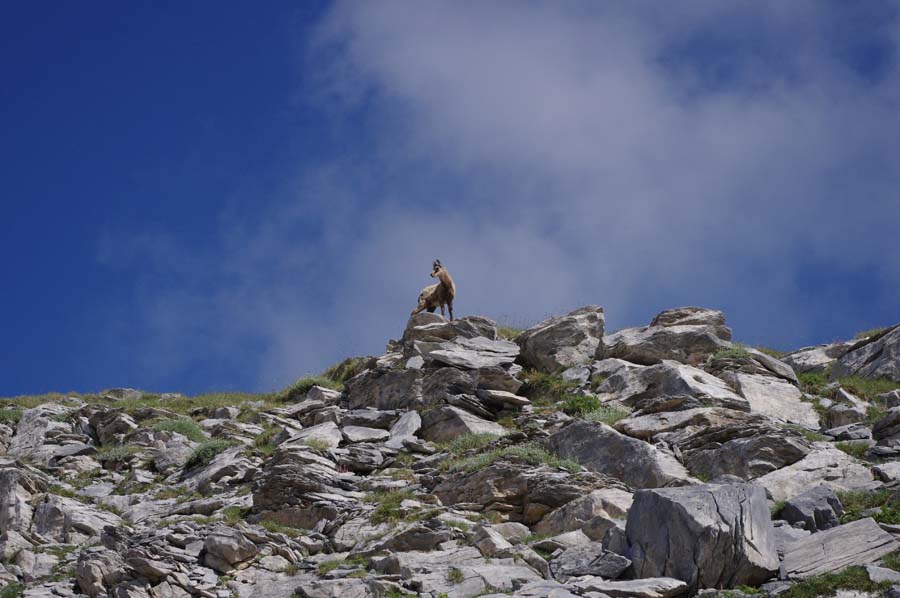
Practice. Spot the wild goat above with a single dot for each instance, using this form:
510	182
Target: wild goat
437	295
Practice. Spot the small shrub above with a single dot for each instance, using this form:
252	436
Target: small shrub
851	578
339	373
813	383
872	332
737	351
183	426
10	416
13	590
233	514
853	449
809	435
578	405
206	452
546	389
777	508
388	502
468	442
116	453
857	501
263	442
891	561
455	576
280	528
298	389
508	332
607	414
867	388
530	453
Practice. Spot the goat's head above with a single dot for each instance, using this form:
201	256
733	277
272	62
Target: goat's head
436	267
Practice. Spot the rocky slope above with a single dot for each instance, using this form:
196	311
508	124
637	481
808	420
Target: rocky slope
652	462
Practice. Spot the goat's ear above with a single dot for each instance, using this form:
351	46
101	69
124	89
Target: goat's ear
437	262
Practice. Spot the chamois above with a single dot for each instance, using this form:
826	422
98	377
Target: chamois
437	295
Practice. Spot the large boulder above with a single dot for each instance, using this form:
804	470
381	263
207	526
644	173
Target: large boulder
448	422
816	359
603	449
430	327
520	492
18	488
877	356
646	389
823	465
385	389
816	509
774	397
563	341
469	353
856	543
593	514
694	316
709	536
648	345
647	427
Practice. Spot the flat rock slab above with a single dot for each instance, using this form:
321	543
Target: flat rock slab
709	536
857	543
448	422
354	434
653	587
776	398
821	466
471	353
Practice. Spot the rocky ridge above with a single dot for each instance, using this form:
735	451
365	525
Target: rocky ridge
657	461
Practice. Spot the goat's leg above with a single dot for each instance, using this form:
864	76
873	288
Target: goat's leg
442	310
450	307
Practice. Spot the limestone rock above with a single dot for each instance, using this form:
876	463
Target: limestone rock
822	465
593	514
602	449
816	359
226	547
470	353
354	434
640	388
689	344
448	422
653	587
709	536
588	559
775	398
874	357
694	316
563	341
857	543
816	509
383	388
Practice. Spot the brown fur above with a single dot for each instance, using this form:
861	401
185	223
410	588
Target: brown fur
437	295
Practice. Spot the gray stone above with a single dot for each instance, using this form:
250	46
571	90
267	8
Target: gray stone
823	465
593	514
470	353
689	344
447	423
816	509
842	414
432	327
564	341
602	449
694	316
877	356
648	426
588	559
370	418
326	434
640	387
888	472
385	389
882	574
887	430
775	398
709	536
405	428
850	432
786	535
226	547
857	543
816	359
353	434
654	587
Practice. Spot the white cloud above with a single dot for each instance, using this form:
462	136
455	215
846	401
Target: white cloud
554	155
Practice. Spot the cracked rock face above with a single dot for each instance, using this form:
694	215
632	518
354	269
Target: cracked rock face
875	357
563	342
709	536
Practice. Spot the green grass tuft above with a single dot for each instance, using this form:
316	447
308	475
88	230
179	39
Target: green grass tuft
206	452
388	502
851	578
579	405
771	352
508	332
339	373
738	351
867	388
530	453
872	332
857	450
10	416
607	414
546	389
468	442
297	391
455	576
280	528
183	426
891	561
857	501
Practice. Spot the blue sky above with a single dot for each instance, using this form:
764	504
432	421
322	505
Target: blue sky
212	196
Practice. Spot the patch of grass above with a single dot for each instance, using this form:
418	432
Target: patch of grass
233	514
813	383
60	491
116	453
171	492
183	426
297	391
508	332
809	435
857	501
280	528
455	576
891	561
857	450
468	442
317	444
388	502
10	416
13	590
872	332
737	351
460	525
403	474
579	405
546	389
867	388
206	452
339	373
326	567
263	441
777	508
771	352
607	414
851	578
530	453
